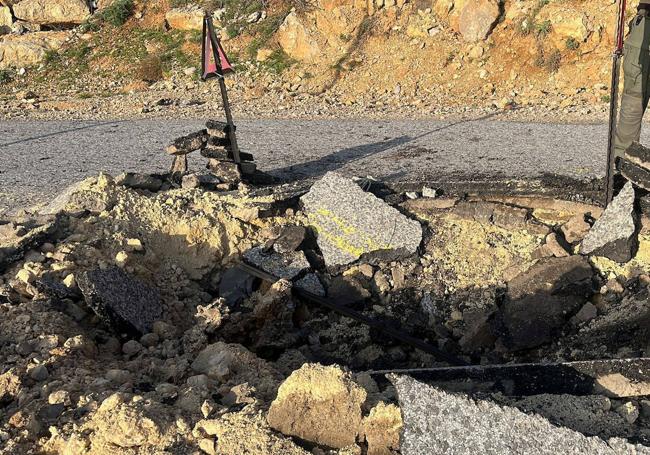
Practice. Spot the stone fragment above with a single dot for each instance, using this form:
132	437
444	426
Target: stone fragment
436	421
10	386
509	217
429	192
217	153
131	348
429	206
19	51
319	404
190	181
235	364
226	171
179	166
381	429
539	301
478	18
187	144
235	286
39	373
555	247
52	12
6	20
134	245
207	180
216	128
214	361
629	411
586	313
185	18
614	233
575	229
617	385
296	39
638	154
289	239
139	181
129	424
346	290
350	222
287	266
123	302
477	211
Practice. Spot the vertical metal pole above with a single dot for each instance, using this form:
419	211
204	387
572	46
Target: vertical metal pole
613	103
234	148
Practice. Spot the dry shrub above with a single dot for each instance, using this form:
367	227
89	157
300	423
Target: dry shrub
151	69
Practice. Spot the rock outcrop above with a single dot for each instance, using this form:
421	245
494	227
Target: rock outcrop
186	18
29	49
52	12
477	19
6	20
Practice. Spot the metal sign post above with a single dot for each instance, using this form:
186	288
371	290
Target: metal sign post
210	38
613	102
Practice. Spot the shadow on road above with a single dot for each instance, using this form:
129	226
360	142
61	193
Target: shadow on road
318	167
58	133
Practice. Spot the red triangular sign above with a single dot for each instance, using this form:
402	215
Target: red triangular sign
209	65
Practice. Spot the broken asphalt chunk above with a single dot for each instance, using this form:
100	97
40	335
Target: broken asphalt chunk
312	284
350	222
287	266
139	181
436	421
20	235
638	154
614	233
187	144
123	302
236	286
289	239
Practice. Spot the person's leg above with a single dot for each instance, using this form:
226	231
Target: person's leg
633	102
635	91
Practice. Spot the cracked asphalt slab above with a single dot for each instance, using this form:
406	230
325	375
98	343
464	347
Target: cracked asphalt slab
40	158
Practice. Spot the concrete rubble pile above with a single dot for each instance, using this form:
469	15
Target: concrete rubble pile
132	323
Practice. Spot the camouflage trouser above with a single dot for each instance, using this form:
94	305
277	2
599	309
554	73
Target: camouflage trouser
636	93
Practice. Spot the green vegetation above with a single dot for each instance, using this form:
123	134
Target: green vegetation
117	13
572	44
543	28
549	61
278	61
553	61
6	76
263	33
605	98
529	23
151	69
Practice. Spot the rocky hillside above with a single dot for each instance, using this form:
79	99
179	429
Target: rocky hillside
424	54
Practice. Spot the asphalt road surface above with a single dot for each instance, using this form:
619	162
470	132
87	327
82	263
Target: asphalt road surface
38	159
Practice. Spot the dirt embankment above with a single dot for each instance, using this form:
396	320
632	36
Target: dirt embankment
545	58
